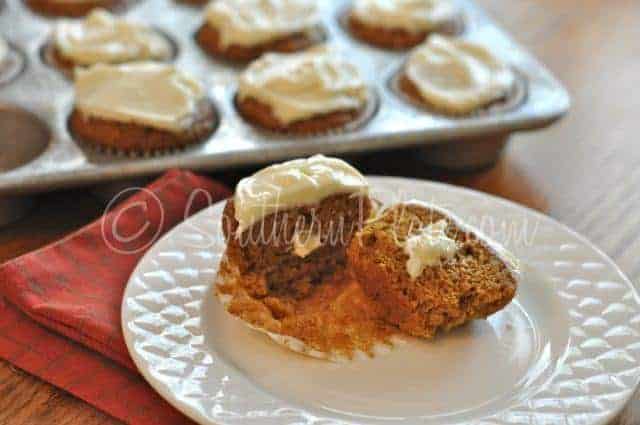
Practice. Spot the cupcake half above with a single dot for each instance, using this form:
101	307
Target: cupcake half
103	38
72	8
242	30
303	93
139	107
455	76
401	24
283	272
428	271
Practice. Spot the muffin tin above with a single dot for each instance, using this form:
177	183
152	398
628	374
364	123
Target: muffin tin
41	98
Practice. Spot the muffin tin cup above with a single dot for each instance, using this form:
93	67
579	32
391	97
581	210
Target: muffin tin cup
47	95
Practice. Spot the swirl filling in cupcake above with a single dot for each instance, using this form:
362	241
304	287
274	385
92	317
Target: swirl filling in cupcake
244	29
455	77
308	92
103	38
400	23
141	106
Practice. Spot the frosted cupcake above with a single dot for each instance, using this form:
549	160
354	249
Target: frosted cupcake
401	24
139	107
103	38
283	271
303	93
455	77
242	30
72	8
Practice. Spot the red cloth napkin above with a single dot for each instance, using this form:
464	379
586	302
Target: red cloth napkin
71	291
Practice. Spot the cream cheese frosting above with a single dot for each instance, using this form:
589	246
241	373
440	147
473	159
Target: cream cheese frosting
303	85
103	38
292	184
428	248
458	75
254	22
410	15
304	243
147	93
4	50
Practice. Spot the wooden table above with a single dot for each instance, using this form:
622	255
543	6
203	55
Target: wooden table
585	172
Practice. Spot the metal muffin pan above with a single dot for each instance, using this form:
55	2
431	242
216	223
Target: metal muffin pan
46	93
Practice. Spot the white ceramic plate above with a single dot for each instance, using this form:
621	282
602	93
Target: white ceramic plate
566	351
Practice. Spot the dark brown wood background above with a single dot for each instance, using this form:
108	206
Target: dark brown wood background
585	171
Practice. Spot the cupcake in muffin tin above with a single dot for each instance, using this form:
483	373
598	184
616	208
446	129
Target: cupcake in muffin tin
312	92
104	38
402	24
455	77
242	30
141	107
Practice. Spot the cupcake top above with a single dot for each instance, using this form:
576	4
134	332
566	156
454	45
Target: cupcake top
303	85
254	22
409	15
104	38
146	93
293	184
4	50
458	75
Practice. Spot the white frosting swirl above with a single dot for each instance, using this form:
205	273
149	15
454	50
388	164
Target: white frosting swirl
299	86
147	93
458	75
254	22
410	15
428	248
104	38
293	184
4	50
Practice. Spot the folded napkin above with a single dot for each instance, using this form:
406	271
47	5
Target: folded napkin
62	303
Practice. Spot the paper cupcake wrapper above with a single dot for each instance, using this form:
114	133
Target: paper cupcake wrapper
514	98
379	348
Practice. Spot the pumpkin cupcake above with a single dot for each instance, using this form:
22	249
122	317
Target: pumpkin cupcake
140	107
103	38
430	272
303	93
455	77
401	24
72	8
242	30
283	271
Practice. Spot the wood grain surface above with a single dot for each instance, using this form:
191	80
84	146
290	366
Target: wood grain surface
585	171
